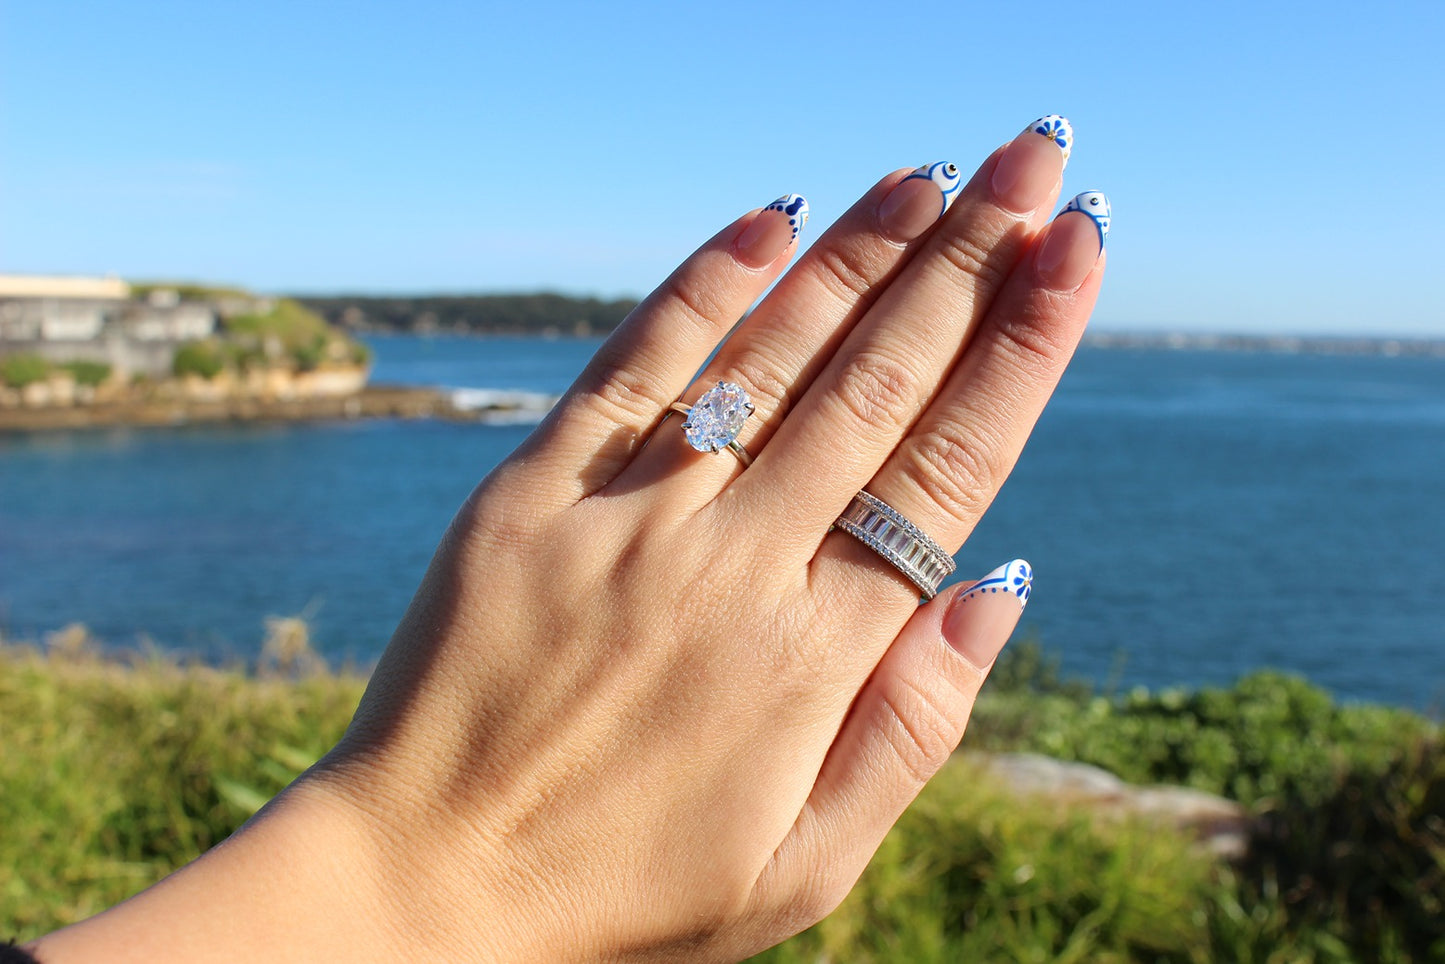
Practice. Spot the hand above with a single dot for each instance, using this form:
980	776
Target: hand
645	703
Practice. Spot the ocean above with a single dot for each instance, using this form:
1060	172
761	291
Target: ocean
1190	515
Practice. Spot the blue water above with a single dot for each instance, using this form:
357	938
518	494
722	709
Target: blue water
1190	516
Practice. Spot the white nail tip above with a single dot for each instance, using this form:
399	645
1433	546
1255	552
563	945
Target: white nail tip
1015	578
1056	128
1096	206
945	175
795	206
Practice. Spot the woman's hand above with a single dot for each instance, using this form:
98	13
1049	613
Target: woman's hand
645	703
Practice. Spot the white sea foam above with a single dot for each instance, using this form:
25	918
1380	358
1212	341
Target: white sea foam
503	406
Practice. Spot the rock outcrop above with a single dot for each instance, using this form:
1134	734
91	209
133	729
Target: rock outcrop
1221	826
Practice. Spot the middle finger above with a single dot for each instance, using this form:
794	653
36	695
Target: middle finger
889	367
787	342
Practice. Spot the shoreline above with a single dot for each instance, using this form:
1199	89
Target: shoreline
373	401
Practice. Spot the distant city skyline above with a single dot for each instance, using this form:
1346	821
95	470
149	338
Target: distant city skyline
1272	168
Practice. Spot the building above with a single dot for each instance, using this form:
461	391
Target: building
69	319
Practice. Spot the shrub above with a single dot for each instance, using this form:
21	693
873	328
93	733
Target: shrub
203	358
88	372
308	356
971	875
17	371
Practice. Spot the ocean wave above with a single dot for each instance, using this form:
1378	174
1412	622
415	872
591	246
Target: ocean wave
503	406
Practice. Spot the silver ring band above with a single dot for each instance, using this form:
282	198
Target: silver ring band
907	548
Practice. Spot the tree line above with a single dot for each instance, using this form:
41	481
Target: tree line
531	314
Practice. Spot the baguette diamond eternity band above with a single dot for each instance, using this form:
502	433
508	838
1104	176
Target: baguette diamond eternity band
883	529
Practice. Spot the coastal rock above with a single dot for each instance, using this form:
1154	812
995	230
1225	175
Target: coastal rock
1222	827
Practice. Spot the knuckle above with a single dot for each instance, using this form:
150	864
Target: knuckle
956	467
919	729
759	374
1037	347
497	526
842	275
879	390
975	260
625	394
700	303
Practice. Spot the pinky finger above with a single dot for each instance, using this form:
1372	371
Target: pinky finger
903	727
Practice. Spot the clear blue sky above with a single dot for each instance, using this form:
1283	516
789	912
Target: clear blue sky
1272	167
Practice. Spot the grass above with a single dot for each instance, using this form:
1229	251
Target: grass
115	772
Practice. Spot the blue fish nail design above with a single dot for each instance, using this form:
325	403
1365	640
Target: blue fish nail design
795	206
1016	578
1056	127
1096	206
945	175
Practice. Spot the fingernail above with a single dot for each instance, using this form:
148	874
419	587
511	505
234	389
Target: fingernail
980	619
918	200
1056	127
1030	166
772	231
1072	245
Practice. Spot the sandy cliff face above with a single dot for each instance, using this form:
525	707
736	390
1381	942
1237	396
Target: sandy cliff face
60	389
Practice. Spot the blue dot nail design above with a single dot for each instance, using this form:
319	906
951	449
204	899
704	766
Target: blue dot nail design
1015	578
795	206
1056	127
945	175
1096	206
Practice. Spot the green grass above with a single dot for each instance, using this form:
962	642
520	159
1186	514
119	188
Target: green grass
113	773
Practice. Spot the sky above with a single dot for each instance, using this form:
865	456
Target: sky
1272	167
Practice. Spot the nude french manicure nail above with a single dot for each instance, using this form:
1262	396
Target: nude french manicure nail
1071	245
1096	206
1030	166
770	233
918	200
980	619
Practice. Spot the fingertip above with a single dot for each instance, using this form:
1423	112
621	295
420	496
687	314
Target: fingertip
980	618
772	232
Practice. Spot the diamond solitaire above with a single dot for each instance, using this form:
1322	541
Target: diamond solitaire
714	421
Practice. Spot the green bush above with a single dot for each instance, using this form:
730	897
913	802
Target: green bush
203	358
17	371
308	356
971	875
112	775
88	372
301	334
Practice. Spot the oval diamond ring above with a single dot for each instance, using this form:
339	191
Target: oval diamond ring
714	421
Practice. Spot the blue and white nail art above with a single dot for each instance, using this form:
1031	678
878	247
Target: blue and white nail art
1096	206
1056	128
1015	578
795	206
945	175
